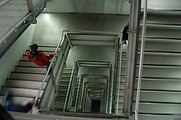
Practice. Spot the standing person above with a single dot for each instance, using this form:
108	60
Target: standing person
125	34
38	57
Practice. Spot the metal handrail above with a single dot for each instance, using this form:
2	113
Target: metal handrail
69	86
48	71
119	78
77	95
141	60
15	27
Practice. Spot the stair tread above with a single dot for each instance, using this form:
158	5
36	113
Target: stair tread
20	92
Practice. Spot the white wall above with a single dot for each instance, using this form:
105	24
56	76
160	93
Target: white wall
12	56
88	6
50	26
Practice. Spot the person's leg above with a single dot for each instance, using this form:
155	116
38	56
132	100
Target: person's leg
48	67
4	115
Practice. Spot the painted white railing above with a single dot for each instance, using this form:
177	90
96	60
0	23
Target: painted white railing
141	60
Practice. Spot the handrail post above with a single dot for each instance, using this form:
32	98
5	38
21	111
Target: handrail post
141	60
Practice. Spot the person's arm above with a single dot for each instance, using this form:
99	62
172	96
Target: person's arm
45	57
28	56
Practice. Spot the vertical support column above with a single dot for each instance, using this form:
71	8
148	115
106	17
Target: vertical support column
132	56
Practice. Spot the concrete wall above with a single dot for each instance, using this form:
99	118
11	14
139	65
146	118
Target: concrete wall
88	6
12	56
50	26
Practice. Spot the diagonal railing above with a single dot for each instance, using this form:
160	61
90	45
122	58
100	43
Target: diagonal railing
141	60
52	83
119	79
8	37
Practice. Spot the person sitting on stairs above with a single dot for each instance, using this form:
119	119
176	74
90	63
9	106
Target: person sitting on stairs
38	57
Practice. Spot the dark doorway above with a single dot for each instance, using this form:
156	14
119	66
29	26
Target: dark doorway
95	106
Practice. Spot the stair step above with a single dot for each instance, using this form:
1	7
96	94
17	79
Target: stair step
23	84
156	117
28	64
69	70
38	70
20	92
169	85
63	93
64	83
21	100
25	76
66	74
163	17
58	104
62	86
60	98
159	96
159	108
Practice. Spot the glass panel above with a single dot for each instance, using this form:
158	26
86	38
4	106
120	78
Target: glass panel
11	13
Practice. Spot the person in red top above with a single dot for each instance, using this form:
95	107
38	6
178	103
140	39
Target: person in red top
38	57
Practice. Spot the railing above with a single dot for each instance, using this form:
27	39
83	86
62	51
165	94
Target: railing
119	79
73	101
133	37
47	73
78	94
141	60
19	25
74	69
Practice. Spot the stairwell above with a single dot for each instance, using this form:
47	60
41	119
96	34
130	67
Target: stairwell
121	83
62	90
160	89
26	79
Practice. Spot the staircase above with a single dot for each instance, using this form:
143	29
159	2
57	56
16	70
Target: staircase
121	85
161	79
62	90
26	78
